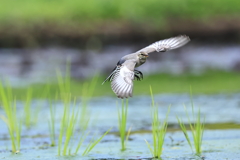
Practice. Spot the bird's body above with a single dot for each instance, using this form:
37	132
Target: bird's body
124	73
134	57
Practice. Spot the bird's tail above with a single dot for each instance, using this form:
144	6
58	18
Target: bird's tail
109	78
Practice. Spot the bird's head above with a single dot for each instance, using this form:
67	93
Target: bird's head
143	55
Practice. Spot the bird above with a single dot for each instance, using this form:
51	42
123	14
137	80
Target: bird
124	73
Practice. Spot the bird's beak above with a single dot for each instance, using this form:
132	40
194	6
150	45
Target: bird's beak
146	55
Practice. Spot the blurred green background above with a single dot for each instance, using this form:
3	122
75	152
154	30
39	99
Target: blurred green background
89	27
29	23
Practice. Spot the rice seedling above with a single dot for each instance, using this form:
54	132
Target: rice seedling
44	94
27	109
87	92
67	130
82	137
8	104
94	142
159	130
30	115
67	126
51	124
70	117
122	123
196	127
69	121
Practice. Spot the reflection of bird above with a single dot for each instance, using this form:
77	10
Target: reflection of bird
124	73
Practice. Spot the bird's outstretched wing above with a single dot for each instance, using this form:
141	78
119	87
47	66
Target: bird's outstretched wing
166	44
122	80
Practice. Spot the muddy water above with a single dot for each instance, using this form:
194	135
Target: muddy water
221	138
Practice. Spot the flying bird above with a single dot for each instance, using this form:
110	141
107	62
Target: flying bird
124	73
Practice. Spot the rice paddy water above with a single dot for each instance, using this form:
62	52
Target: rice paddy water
91	128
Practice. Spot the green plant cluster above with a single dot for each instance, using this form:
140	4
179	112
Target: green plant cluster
11	118
75	116
159	130
29	12
122	124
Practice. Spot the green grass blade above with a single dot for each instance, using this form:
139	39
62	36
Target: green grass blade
122	122
94	143
196	127
184	130
8	104
81	140
150	148
158	129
